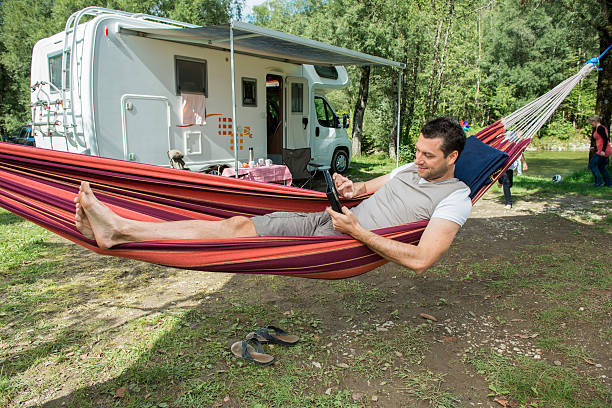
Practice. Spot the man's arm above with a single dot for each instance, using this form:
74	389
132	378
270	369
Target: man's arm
436	240
347	189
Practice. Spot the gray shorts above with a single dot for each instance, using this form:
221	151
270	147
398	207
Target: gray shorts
294	224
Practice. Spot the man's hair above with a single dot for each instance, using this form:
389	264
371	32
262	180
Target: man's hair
447	129
595	118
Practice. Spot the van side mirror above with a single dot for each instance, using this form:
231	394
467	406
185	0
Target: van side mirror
345	120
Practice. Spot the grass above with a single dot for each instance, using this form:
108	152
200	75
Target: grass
429	386
546	164
366	167
358	296
79	330
537	383
563	284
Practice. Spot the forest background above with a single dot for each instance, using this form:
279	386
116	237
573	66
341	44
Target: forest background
475	60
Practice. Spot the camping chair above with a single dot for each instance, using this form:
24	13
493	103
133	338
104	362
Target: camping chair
297	160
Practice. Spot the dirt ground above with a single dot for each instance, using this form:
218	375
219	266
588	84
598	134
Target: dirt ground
470	315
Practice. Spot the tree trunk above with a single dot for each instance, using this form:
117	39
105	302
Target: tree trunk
360	106
478	57
436	95
603	104
430	85
411	89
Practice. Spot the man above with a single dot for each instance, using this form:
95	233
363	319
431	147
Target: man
425	189
601	152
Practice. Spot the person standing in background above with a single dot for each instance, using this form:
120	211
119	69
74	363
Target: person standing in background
601	152
506	180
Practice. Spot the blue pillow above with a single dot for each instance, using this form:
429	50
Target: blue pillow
477	162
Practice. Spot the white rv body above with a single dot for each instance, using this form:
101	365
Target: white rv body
125	102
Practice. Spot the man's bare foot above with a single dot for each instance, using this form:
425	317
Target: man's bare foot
97	218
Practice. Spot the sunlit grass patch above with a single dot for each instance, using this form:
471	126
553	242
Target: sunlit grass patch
536	382
367	167
579	182
21	244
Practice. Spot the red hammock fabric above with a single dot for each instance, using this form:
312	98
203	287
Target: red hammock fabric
40	185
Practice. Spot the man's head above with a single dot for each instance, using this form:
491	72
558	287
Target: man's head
438	148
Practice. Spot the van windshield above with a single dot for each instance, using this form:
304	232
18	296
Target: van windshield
325	113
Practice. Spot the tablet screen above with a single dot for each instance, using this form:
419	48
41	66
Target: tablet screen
332	193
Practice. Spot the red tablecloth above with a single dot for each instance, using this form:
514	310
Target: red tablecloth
275	173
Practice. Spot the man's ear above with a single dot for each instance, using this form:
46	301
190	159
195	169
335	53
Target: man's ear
452	157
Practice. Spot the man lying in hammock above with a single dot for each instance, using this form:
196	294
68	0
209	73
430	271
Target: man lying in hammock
423	190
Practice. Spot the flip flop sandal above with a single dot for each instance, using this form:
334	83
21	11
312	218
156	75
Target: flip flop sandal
279	337
255	354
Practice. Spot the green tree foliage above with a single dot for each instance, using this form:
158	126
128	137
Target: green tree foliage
202	12
475	60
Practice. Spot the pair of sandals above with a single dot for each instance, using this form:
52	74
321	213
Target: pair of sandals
251	347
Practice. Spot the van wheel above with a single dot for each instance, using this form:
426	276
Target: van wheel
339	163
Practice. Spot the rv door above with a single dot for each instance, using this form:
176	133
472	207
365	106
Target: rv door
146	131
298	125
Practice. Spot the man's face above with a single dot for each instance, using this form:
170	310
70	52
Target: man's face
430	160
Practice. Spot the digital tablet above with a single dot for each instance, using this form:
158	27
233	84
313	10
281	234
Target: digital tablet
332	193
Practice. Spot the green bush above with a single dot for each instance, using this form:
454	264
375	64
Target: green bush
559	129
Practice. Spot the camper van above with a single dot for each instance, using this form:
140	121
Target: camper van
134	87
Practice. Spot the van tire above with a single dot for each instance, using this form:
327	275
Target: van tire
340	161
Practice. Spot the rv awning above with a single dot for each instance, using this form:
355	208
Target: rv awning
250	39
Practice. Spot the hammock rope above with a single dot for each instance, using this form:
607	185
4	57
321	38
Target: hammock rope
40	185
526	121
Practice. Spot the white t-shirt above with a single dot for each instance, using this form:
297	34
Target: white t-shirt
456	207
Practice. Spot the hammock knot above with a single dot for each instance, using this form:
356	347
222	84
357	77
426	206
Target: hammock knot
594	61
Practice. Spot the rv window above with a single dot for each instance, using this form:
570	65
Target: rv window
67	77
325	114
190	76
55	71
249	92
297	97
327	72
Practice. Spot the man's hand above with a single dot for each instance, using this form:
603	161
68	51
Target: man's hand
344	186
436	239
346	222
347	189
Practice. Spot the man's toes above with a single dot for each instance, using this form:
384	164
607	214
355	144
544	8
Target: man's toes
85	187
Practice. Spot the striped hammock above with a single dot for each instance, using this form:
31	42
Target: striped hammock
40	185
